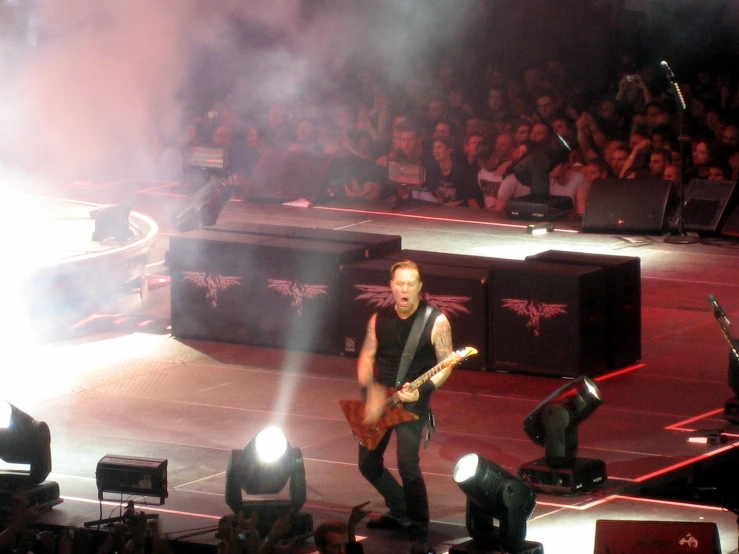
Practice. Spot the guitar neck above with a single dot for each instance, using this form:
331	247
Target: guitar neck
450	361
453	359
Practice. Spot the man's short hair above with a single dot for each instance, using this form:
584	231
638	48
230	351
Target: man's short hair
601	164
409	126
320	535
484	150
469	136
445	141
666	155
405	264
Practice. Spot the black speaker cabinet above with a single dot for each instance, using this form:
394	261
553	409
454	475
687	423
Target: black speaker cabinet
623	300
731	226
458	292
655	537
707	205
284	176
255	289
211	285
626	206
376	245
422	257
548	318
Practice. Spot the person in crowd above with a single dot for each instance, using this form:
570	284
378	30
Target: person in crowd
671	172
730	136
632	96
541	131
497	105
521	131
449	180
634	164
459	108
246	155
437	112
590	139
702	157
306	139
339	537
471	142
280	132
719	171
361	177
595	169
617	158
546	109
658	161
488	176
395	152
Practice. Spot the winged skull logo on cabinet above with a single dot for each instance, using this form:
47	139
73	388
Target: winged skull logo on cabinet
534	310
298	292
212	283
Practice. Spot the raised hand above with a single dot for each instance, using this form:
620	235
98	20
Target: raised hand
357	514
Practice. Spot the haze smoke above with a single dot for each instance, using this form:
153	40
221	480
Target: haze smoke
106	76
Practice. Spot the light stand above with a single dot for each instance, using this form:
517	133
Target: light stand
681	237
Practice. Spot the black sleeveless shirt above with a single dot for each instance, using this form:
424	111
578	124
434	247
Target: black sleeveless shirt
392	333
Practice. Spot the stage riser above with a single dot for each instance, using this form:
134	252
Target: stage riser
459	292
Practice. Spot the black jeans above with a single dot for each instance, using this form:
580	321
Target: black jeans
409	500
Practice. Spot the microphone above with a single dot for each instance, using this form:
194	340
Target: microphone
717	309
668	71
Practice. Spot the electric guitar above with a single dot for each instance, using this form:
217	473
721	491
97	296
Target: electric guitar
394	414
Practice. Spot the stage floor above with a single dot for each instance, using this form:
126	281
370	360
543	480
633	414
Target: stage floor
122	385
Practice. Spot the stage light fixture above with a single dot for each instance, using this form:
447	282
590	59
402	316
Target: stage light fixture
24	442
554	424
264	467
532	170
494	494
203	208
111	222
540	228
25	446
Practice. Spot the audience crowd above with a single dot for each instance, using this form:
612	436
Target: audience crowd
20	533
450	133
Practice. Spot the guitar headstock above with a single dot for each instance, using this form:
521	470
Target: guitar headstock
465	352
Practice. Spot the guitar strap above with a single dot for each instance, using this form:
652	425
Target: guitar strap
411	344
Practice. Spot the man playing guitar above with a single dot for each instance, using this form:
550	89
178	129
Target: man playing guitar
377	370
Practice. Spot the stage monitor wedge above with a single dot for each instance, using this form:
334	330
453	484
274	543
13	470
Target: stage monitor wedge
656	537
707	205
628	206
286	176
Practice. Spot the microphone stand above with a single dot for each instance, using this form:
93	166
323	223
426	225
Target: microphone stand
681	237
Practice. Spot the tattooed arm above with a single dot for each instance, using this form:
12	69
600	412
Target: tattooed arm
376	396
366	362
441	338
